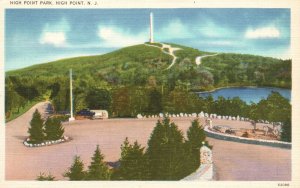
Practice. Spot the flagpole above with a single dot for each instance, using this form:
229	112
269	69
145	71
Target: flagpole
71	97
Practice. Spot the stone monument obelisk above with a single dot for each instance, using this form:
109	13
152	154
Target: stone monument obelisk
151	40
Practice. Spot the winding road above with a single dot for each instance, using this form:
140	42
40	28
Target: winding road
198	59
232	161
173	49
171	52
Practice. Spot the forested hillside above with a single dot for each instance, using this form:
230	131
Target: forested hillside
135	80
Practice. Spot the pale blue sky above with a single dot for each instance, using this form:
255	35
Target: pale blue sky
41	35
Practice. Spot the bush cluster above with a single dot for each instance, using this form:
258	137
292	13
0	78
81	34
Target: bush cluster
40	131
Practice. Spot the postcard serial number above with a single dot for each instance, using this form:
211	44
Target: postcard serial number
283	184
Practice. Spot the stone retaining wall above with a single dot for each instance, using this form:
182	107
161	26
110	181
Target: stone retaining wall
272	143
206	171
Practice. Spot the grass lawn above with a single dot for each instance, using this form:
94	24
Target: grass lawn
14	114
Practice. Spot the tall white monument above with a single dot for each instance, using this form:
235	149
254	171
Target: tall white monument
151	40
71	97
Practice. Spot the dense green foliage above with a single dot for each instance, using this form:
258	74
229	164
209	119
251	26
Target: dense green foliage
133	163
241	69
40	131
97	77
76	171
98	98
168	157
165	152
98	170
134	65
196	135
134	80
36	132
44	177
53	129
286	134
196	138
21	93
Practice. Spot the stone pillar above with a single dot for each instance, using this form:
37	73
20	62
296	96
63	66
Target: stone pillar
205	155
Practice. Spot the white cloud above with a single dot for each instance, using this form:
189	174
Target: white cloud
222	43
261	33
58	39
117	37
211	29
175	29
55	34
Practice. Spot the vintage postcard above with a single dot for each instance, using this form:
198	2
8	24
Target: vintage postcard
155	93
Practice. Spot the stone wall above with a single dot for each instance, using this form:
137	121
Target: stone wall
272	143
205	171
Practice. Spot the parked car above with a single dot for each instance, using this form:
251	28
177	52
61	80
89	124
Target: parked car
86	113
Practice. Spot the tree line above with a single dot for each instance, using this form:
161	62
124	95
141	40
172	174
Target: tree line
130	100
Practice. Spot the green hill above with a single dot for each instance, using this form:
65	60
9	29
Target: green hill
139	68
134	65
123	59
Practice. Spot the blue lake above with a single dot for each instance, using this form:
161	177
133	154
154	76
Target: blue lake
247	94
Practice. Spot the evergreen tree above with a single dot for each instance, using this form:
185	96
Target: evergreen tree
286	134
132	162
192	158
53	129
76	171
196	136
155	102
166	152
36	132
98	170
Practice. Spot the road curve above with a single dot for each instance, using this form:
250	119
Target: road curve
198	58
171	52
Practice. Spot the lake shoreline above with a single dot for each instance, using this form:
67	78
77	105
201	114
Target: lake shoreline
248	94
228	87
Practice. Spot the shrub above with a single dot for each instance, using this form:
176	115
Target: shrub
44	177
53	129
76	171
132	162
166	152
98	170
36	132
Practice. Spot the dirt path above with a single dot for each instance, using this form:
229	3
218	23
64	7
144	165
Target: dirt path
233	161
198	59
171	52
